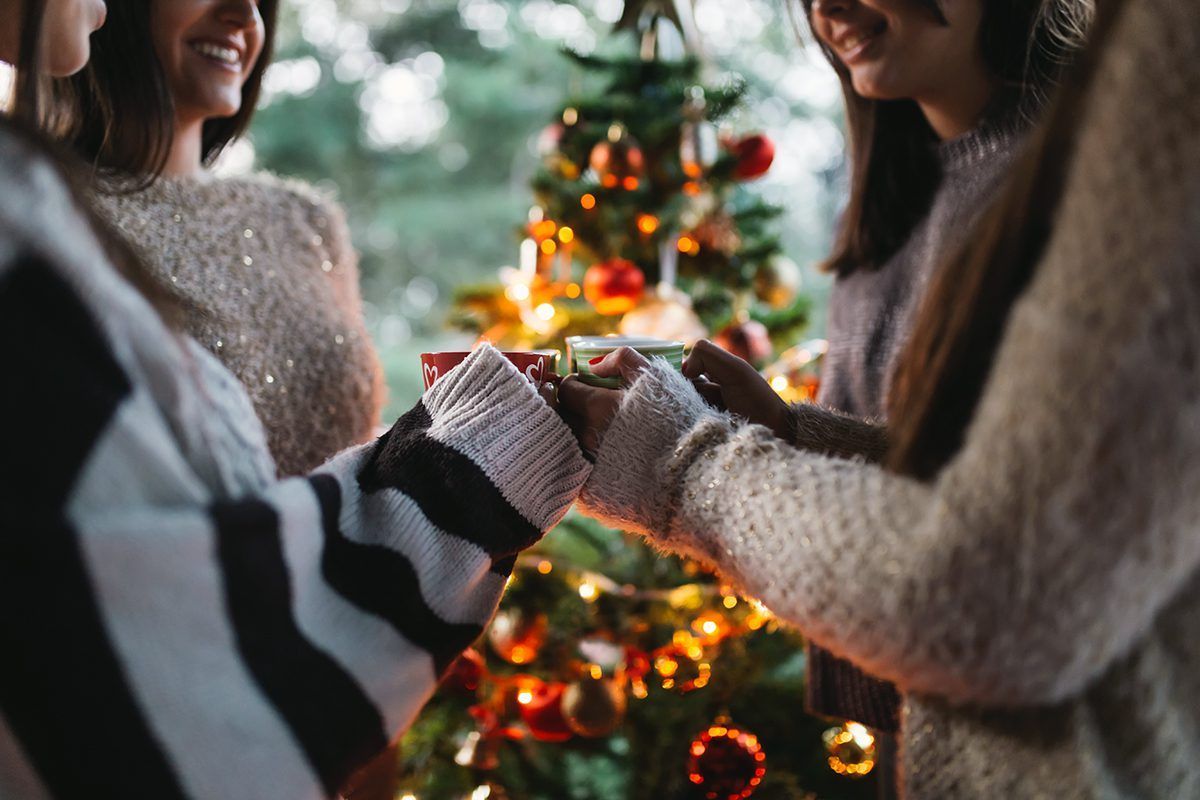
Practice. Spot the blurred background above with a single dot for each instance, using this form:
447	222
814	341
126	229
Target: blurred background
423	116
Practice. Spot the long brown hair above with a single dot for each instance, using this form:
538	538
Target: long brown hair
27	113
118	113
894	171
27	90
945	365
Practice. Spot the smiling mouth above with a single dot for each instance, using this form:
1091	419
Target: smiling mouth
226	56
853	44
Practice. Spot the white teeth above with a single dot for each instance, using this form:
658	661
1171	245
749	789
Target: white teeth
226	54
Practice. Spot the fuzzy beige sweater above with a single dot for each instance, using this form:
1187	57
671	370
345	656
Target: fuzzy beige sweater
268	282
1038	604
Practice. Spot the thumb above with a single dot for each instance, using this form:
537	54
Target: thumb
624	363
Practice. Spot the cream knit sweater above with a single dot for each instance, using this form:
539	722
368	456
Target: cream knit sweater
1038	604
268	280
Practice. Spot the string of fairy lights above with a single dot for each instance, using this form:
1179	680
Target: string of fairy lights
725	761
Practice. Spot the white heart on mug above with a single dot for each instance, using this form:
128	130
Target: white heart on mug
534	373
431	374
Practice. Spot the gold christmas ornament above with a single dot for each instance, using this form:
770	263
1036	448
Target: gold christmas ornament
851	749
618	160
594	707
517	637
668	315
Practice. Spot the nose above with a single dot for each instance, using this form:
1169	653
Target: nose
831	8
238	13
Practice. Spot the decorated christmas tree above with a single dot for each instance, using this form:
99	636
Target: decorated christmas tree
612	671
646	222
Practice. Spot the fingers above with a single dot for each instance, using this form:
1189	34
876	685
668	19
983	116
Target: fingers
587	410
549	393
574	394
718	364
711	392
624	363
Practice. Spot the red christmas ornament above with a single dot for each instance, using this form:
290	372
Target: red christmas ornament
465	673
726	763
754	156
747	340
543	713
614	286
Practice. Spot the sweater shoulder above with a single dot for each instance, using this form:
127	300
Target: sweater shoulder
258	195
317	203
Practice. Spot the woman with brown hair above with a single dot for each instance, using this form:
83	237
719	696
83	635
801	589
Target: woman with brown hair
939	96
262	268
1025	564
177	621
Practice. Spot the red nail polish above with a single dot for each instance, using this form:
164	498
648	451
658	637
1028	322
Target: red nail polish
596	360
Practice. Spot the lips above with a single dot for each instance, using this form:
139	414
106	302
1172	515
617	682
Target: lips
854	42
222	53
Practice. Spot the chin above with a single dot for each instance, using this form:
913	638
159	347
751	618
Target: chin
64	63
215	106
873	87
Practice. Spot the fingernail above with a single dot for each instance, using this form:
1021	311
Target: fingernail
595	360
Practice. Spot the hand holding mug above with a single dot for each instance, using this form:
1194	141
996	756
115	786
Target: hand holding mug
731	384
589	409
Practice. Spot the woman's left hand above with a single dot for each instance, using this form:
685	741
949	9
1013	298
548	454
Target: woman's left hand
589	409
730	384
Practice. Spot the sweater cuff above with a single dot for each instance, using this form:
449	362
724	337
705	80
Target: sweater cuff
631	485
487	410
821	430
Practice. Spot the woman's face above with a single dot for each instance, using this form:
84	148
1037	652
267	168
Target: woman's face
898	49
66	28
208	48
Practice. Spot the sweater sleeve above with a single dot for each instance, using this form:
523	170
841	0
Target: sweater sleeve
825	431
162	640
1068	520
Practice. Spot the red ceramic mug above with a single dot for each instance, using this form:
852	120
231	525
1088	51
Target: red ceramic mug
536	365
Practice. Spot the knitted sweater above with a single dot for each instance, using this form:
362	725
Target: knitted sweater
268	281
871	312
177	621
1038	603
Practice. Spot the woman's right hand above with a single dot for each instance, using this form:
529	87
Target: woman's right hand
589	409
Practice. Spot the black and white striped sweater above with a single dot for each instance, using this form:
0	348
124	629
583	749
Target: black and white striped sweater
178	623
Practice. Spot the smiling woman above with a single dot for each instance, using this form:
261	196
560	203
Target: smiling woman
209	52
150	103
262	267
